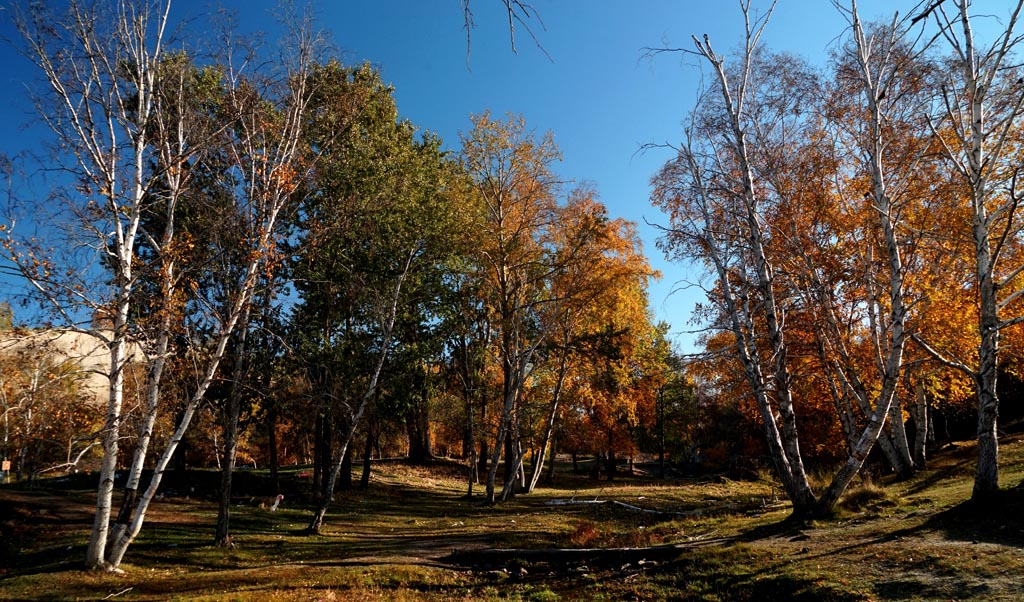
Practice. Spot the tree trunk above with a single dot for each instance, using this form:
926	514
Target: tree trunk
95	555
922	421
858	455
344	480
364	480
482	459
503	439
145	431
232	413
986	478
550	478
899	438
661	431
316	523
120	545
326	453
515	479
222	535
549	426
417	428
275	480
782	436
470	446
510	457
610	467
318	453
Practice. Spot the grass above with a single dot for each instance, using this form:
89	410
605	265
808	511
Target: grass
414	536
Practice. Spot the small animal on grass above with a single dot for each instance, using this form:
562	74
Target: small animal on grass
273	502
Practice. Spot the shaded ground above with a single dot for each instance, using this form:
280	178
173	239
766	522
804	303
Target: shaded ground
414	536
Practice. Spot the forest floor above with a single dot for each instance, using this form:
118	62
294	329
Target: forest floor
413	535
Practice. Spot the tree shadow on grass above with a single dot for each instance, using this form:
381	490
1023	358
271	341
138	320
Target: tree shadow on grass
998	520
792	527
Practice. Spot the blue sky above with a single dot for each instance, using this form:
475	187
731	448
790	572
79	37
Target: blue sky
596	93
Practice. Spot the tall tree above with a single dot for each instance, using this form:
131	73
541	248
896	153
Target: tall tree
721	221
512	175
740	195
100	63
185	125
265	112
881	68
983	107
598	292
374	226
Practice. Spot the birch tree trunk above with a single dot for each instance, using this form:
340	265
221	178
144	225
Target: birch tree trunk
890	340
388	323
921	421
549	425
99	63
984	112
265	196
181	133
782	436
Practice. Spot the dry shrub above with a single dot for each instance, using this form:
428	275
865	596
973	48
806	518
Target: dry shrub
587	534
867	497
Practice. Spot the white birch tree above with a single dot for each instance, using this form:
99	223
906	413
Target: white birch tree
117	107
512	177
725	194
265	112
99	62
982	113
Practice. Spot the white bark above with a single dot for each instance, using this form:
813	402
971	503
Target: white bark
262	155
99	62
983	125
782	435
889	339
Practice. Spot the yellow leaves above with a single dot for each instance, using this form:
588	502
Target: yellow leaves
285	178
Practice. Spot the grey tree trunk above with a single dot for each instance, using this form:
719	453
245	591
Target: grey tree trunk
145	432
889	341
900	442
364	480
388	324
549	425
782	436
231	415
984	125
272	444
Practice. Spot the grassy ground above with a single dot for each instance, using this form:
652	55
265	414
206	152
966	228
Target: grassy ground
413	536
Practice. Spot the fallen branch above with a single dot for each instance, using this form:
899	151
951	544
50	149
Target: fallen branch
114	595
613	556
697	512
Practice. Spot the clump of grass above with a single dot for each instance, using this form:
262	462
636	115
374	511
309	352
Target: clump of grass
868	497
